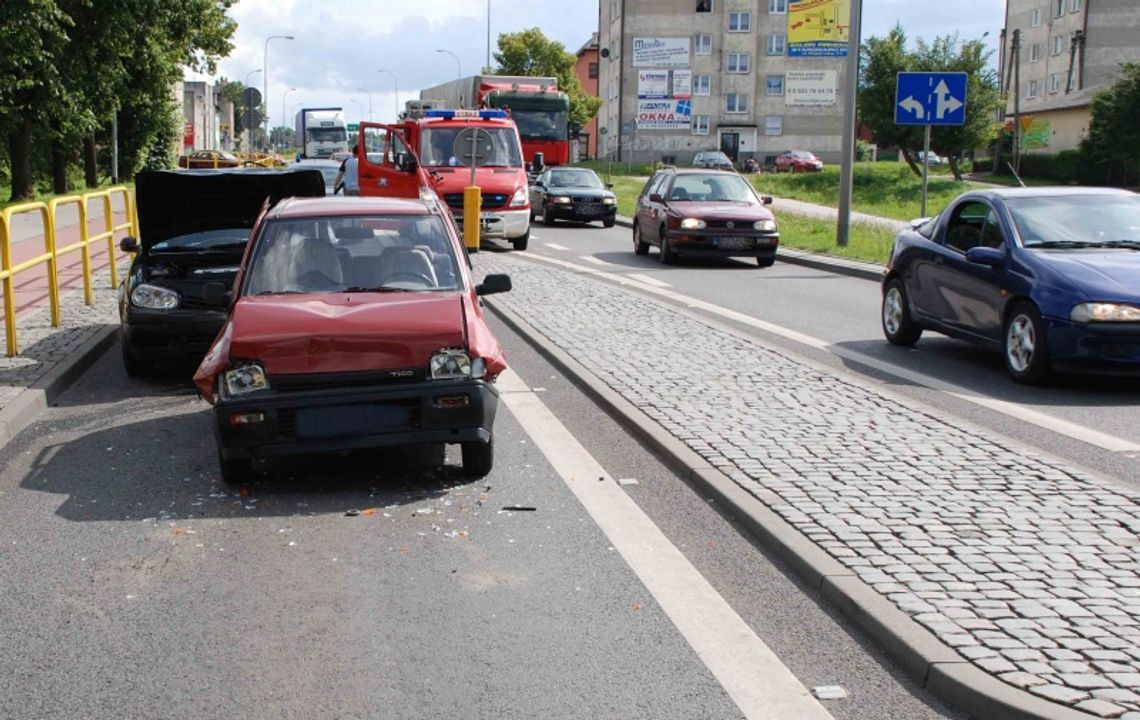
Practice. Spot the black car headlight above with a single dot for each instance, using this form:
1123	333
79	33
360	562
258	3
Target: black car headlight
244	379
454	363
153	297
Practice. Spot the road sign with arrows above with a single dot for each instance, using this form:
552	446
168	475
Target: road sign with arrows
935	98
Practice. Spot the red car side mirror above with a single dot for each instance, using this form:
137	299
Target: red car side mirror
656	197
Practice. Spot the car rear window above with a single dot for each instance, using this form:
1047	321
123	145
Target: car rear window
394	253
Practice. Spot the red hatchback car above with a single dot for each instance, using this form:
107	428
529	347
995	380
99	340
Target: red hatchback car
798	161
353	323
704	213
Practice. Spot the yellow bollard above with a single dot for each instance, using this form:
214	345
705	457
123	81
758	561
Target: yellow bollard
9	288
472	206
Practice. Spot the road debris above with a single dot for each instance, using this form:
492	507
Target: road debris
518	508
627	481
352	513
829	692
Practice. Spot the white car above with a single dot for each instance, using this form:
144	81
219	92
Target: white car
934	158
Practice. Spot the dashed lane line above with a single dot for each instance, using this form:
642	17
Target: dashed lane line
596	261
649	280
556	246
752	675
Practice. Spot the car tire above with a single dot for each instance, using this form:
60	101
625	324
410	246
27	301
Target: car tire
609	222
640	247
898	326
1024	345
478	457
520	243
765	262
235	471
668	257
546	217
134	367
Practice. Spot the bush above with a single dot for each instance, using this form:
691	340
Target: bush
864	151
983	165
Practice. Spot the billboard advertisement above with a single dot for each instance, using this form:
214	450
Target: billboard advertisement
653	83
661	52
811	87
818	28
682	84
668	114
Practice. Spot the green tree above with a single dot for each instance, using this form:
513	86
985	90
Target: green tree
530	52
1113	141
881	62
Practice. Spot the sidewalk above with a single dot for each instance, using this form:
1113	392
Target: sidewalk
1004	580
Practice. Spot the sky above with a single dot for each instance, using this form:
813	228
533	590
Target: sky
339	47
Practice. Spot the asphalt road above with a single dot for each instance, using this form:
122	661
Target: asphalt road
137	585
841	316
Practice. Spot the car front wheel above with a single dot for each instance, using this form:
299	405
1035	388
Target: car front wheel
478	457
235	471
640	247
898	325
546	217
520	243
668	257
1024	348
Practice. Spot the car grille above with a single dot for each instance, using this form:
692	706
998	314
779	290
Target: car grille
738	225
491	201
333	381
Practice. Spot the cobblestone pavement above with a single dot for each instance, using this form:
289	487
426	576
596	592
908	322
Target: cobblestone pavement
1029	568
43	347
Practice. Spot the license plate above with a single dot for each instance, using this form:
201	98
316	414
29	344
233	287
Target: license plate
589	209
734	243
349	420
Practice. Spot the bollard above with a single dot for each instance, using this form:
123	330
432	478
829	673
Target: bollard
472	206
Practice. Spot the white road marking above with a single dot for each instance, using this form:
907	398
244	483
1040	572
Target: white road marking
649	280
596	261
760	685
556	246
1112	443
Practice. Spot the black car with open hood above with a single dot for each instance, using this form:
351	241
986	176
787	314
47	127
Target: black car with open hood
193	231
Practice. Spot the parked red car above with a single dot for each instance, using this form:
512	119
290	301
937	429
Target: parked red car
353	323
798	161
704	213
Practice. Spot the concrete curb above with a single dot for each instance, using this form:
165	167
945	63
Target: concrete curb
841	266
27	407
918	652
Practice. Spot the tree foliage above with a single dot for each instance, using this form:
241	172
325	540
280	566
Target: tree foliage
530	52
882	60
70	66
1114	128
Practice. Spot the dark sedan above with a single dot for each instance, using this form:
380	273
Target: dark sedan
1048	276
704	213
193	230
565	193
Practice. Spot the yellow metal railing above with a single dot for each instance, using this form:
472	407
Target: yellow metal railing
52	253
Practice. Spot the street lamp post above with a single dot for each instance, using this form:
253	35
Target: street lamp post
284	117
249	113
362	90
360	105
458	66
396	90
265	77
488	36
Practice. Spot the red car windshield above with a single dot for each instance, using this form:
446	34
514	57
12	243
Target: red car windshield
715	188
353	254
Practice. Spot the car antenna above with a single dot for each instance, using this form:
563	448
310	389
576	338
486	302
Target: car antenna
1015	175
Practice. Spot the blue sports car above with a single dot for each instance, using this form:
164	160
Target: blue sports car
1048	276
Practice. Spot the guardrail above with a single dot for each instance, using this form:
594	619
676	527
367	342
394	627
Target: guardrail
52	253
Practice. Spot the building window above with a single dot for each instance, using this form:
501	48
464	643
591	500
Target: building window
700	124
1055	82
1058	44
593	71
774	85
1035	18
702	85
1060	8
773	124
1032	89
775	44
1075	6
736	103
778	7
1034	52
739	63
704	6
702	45
740	22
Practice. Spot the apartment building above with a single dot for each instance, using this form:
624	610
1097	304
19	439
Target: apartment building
1069	51
587	70
208	117
751	77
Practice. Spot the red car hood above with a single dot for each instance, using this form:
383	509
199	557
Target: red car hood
724	210
342	332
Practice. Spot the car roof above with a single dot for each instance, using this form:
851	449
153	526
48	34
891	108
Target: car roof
1047	191
701	171
341	206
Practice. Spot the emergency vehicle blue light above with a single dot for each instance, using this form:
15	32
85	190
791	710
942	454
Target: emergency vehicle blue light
492	114
445	114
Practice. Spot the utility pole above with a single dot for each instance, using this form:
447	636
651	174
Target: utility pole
1016	56
847	168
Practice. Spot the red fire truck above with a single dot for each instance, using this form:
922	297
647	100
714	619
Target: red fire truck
540	110
428	155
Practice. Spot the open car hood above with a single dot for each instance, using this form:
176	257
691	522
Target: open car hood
179	203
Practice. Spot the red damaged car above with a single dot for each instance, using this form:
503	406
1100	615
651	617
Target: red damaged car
353	323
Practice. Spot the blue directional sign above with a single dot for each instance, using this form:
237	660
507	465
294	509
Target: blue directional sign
923	98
